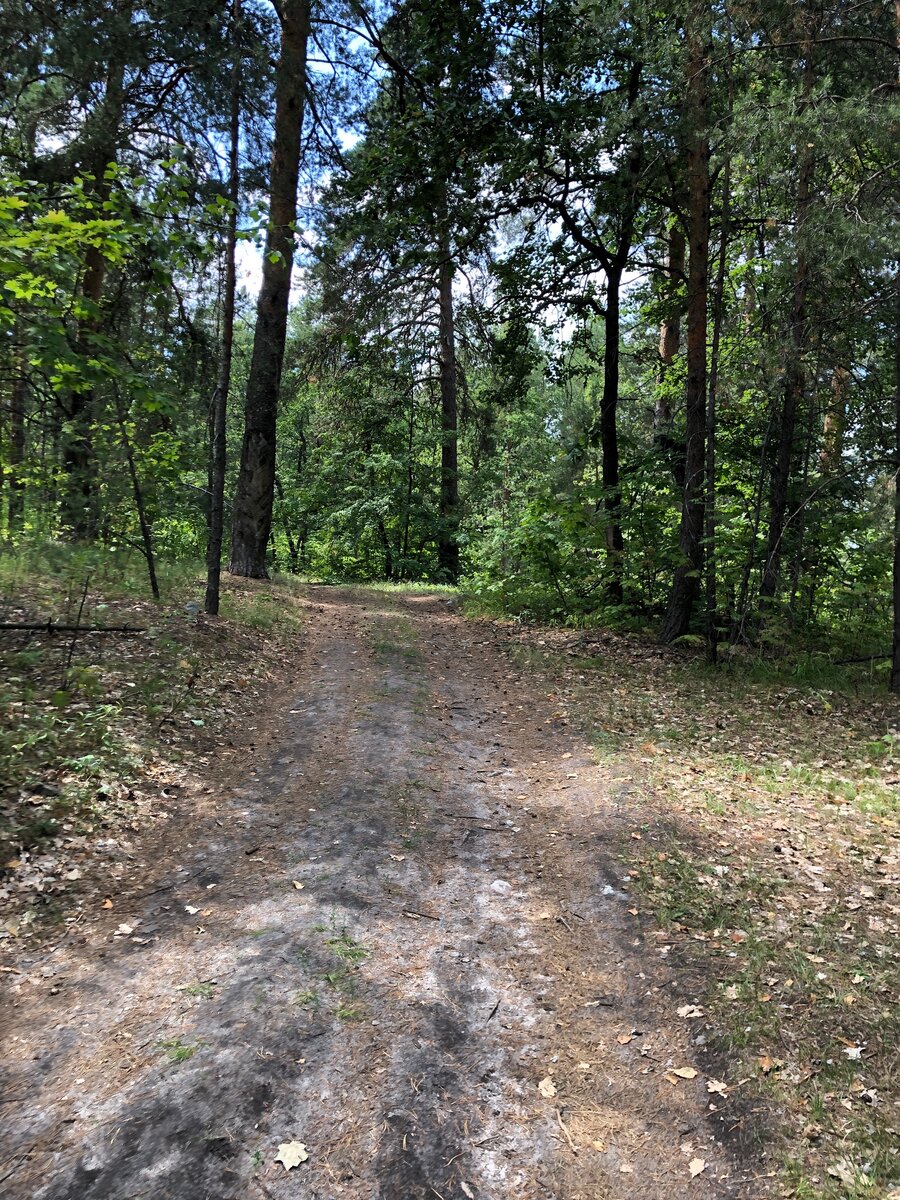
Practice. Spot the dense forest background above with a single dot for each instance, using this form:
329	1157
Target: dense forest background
591	307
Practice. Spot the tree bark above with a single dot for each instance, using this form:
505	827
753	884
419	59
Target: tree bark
218	447
712	631
794	385
669	330
894	683
834	422
139	505
255	493
686	584
448	534
609	435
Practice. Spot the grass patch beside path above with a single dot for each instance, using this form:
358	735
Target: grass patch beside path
94	729
765	853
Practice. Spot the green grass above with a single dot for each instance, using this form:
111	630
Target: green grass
176	1050
81	718
346	949
200	991
350	1012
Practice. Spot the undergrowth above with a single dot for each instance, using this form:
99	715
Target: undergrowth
91	724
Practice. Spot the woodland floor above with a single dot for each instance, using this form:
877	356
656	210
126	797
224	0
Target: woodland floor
399	920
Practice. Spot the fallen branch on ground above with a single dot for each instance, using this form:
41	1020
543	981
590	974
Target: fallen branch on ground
51	627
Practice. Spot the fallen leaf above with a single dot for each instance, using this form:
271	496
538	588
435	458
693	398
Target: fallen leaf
599	1146
685	1072
107	903
690	1010
716	1087
547	1088
291	1154
189	908
399	857
767	1064
624	1038
696	1166
626	1168
466	1190
298	885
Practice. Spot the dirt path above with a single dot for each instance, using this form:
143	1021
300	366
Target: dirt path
404	917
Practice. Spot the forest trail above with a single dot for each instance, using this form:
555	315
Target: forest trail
402	918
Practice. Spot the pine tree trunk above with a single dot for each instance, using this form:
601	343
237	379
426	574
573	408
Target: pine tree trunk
255	493
686	584
669	332
609	437
794	385
218	447
712	630
895	659
448	536
834	423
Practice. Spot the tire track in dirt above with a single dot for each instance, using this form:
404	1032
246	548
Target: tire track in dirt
460	934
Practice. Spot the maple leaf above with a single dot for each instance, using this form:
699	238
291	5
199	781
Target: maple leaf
291	1154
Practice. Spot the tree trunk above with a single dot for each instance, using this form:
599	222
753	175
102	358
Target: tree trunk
895	658
218	447
794	384
609	436
669	331
448	535
18	403
686	584
139	505
834	423
712	631
255	493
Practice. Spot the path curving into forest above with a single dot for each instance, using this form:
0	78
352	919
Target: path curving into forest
404	918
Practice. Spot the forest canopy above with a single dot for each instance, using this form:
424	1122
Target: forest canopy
591	308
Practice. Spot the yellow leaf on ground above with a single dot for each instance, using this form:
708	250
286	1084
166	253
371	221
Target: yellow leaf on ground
291	1154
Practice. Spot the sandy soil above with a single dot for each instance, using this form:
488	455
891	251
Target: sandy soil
460	934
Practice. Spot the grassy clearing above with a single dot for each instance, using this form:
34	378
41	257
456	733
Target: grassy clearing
93	728
766	851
